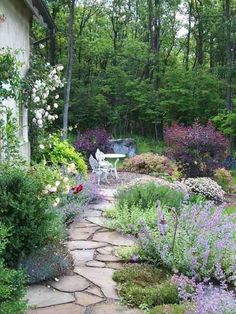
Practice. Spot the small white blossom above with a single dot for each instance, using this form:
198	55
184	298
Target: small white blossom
55	105
48	107
41	146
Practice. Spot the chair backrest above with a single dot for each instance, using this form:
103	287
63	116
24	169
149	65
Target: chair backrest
93	163
99	155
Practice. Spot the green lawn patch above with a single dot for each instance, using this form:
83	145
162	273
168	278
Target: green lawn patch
145	286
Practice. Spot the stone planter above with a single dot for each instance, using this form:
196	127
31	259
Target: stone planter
125	146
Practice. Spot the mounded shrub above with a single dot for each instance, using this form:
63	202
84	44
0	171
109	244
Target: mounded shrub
205	187
199	149
91	140
12	282
28	214
57	152
224	178
47	263
150	163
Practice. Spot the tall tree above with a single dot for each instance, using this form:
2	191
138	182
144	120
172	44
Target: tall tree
69	67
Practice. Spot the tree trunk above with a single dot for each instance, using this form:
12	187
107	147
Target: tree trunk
69	68
188	35
229	56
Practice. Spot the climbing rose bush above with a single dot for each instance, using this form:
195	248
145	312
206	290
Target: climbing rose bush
199	242
206	187
199	149
149	163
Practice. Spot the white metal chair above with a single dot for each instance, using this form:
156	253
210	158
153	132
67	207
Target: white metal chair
100	156
98	170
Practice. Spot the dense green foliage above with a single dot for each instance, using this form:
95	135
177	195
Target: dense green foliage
140	64
12	282
27	213
145	287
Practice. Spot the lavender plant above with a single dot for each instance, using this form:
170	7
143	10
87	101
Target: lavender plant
200	245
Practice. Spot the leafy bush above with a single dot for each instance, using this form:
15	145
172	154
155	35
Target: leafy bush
61	153
91	140
147	195
200	243
27	212
224	178
49	262
205	187
144	286
137	205
200	149
149	163
12	283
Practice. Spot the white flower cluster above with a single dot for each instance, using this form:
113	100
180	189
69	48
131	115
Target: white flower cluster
206	187
40	93
59	186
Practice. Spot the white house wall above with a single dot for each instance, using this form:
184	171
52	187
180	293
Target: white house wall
14	33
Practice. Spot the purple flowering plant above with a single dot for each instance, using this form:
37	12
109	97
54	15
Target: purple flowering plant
200	244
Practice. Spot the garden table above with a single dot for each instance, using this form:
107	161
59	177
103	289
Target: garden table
117	157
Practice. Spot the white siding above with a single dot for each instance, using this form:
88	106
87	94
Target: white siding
14	33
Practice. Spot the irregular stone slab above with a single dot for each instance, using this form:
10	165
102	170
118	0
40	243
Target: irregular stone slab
70	308
116	266
80	257
113	308
101	277
41	296
92	213
100	221
108	192
107	258
82	225
95	290
95	264
84	245
81	234
70	283
102	206
105	250
86	299
114	238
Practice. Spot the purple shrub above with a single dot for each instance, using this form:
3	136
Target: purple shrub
89	141
199	149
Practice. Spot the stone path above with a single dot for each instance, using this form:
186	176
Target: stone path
90	287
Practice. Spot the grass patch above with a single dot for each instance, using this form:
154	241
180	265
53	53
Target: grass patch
169	309
230	210
234	177
145	286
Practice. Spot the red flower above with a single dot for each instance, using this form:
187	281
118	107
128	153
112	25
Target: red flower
77	188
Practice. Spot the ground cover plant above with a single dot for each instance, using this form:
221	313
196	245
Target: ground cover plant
224	178
150	163
198	155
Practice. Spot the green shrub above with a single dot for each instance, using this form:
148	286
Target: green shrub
12	282
224	178
27	212
169	309
138	204
144	286
147	195
47	263
150	163
61	153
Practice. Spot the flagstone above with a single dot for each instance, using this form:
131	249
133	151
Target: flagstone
113	237
85	245
70	308
100	221
42	296
101	277
86	299
92	213
107	258
95	264
105	250
116	266
94	290
70	283
81	234
80	257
